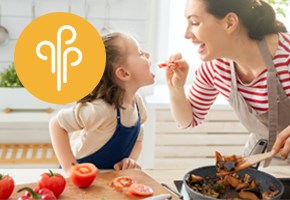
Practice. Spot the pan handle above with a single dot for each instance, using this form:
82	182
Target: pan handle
260	147
172	190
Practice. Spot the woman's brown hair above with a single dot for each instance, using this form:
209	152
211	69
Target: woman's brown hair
257	16
107	89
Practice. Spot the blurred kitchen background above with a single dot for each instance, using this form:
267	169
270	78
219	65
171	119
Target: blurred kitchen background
159	26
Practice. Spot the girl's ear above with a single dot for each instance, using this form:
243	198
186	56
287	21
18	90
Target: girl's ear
122	74
231	22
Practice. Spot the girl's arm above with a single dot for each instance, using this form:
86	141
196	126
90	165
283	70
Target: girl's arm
131	161
61	145
136	150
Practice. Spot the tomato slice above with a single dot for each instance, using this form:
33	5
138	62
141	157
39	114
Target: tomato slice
166	64
83	175
122	182
140	190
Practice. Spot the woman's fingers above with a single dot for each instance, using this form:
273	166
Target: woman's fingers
282	143
285	148
175	57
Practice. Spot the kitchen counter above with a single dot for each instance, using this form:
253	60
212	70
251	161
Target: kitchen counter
166	176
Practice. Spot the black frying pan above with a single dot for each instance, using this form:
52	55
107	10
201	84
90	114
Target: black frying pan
261	178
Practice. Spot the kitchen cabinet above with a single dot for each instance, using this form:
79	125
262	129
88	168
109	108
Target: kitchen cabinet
164	146
176	148
25	140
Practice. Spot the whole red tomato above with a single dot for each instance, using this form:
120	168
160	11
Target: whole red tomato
52	181
83	175
6	186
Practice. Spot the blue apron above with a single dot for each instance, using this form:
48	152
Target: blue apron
117	148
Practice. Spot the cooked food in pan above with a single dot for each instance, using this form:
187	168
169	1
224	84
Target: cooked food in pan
231	186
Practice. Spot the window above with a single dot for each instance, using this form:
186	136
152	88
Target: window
176	41
171	37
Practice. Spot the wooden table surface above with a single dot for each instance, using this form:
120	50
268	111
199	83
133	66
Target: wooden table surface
166	176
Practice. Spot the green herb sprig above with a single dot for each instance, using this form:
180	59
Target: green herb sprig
9	78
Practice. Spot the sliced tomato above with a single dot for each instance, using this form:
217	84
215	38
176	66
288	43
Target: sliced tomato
83	175
166	64
139	189
122	182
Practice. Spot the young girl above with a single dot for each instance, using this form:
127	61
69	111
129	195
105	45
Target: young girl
110	118
246	58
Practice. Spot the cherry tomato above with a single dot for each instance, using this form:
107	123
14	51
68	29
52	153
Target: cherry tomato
139	189
6	186
122	182
31	194
83	175
52	181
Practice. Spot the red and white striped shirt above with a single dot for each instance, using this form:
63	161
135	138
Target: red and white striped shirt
214	77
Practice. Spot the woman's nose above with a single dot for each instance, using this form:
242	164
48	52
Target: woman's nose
188	34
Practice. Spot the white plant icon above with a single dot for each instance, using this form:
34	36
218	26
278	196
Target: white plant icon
59	60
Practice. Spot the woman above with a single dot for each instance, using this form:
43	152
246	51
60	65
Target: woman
246	55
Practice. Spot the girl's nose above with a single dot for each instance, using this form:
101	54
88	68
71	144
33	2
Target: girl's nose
147	54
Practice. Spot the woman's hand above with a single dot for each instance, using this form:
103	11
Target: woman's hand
176	75
126	163
283	143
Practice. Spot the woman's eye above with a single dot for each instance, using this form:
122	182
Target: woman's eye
194	23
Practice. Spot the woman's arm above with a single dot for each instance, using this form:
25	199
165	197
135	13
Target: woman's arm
190	110
61	145
180	107
176	78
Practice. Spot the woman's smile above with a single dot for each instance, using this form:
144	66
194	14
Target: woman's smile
201	48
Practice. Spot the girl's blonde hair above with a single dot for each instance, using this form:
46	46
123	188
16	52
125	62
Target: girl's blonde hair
107	89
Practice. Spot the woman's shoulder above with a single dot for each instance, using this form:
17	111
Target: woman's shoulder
217	66
285	36
284	41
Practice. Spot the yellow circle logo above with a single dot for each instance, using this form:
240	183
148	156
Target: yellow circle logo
60	57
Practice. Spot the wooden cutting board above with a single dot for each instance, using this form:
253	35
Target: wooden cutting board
101	187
